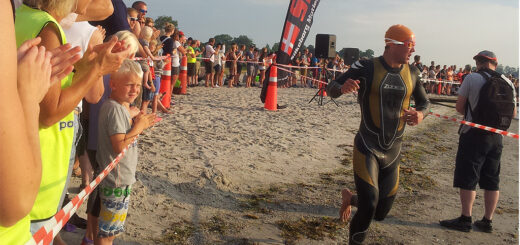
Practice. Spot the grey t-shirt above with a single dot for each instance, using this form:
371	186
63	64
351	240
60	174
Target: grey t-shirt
114	118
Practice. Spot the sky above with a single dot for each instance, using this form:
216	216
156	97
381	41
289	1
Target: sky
449	32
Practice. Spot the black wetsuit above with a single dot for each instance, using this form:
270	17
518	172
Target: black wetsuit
383	95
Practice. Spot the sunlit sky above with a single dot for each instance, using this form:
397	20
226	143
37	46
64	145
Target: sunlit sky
449	32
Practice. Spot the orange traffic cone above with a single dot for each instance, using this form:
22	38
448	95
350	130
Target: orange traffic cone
321	87
271	95
184	75
166	83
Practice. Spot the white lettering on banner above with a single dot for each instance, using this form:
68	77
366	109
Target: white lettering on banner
311	14
300	41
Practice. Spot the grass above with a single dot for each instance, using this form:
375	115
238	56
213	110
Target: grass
256	202
179	233
314	228
219	225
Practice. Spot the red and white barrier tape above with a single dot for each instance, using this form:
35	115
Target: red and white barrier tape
441	81
287	66
311	67
52	227
475	125
156	58
310	78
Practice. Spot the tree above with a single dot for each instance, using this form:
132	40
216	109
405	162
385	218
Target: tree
162	20
500	68
224	39
311	49
369	53
275	48
243	39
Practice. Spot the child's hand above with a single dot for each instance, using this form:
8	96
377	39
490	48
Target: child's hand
144	121
134	111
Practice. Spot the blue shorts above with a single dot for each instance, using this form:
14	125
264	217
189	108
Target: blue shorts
114	209
157	83
148	94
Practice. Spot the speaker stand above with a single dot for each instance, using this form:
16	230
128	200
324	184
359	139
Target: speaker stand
319	95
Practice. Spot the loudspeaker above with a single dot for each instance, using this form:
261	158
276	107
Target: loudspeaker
351	55
325	46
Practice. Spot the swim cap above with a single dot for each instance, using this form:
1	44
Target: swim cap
399	33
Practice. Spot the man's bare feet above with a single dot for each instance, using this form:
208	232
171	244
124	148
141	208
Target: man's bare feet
346	208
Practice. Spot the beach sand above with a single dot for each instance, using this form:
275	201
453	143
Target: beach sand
222	170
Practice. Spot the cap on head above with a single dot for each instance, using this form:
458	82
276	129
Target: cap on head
486	54
399	33
181	34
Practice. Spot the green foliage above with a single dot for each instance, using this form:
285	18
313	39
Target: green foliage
275	47
224	39
311	48
369	53
228	40
243	39
162	20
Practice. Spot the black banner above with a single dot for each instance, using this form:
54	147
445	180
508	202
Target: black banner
297	25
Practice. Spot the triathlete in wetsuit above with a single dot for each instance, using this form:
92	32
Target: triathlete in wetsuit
385	86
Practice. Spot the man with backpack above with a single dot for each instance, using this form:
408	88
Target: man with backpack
485	97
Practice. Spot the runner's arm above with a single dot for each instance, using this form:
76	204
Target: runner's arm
422	103
334	88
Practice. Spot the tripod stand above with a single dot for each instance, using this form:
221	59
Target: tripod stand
319	95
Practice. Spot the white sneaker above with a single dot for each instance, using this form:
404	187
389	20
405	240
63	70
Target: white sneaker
216	86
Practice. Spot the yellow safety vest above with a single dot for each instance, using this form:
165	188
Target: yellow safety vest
191	50
56	140
16	234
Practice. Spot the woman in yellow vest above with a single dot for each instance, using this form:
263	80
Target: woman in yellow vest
20	165
41	18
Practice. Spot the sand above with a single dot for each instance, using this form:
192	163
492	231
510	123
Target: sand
222	170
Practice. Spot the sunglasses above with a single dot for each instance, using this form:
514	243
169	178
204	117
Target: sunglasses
408	44
133	19
143	11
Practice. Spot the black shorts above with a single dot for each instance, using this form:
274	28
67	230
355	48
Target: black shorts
208	65
191	69
93	203
82	142
175	70
478	160
217	68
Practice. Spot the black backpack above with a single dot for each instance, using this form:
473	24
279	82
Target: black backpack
495	106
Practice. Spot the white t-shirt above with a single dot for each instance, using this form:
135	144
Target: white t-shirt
175	56
210	53
78	34
220	55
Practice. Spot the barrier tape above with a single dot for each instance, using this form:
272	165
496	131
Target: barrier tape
441	81
475	125
310	78
287	66
156	58
52	227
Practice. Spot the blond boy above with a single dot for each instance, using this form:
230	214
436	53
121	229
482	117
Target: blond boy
116	132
